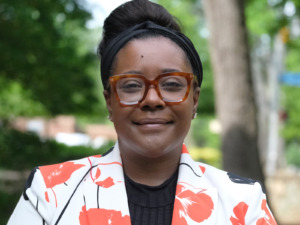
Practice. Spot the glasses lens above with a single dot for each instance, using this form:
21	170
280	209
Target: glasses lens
130	90
173	88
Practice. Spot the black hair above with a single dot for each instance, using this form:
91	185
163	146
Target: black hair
132	13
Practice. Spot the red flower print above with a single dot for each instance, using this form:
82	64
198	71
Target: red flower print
184	149
198	206
112	163
178	214
202	168
98	173
58	173
46	196
239	212
269	220
108	182
103	217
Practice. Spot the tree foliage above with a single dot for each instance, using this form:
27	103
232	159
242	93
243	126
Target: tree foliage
290	96
279	17
43	62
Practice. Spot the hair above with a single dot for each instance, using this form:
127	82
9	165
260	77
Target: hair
132	13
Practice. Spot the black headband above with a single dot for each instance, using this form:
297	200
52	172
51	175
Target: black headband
118	42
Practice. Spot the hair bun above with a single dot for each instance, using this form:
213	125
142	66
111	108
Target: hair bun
132	13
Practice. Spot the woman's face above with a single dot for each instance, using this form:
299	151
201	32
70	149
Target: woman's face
151	129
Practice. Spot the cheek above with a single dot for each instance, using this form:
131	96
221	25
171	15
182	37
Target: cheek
114	109
115	106
120	114
184	112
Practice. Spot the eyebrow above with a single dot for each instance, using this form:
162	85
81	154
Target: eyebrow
133	72
170	70
166	70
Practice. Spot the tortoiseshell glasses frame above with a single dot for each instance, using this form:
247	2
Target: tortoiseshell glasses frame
131	89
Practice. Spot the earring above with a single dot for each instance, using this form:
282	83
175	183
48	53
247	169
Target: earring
109	117
195	115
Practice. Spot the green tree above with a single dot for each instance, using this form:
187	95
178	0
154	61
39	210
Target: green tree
279	17
45	63
235	103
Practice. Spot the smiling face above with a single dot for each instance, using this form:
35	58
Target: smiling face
151	129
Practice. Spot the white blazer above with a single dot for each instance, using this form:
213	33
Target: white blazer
92	191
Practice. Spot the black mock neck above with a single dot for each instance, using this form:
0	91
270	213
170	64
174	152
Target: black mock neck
151	205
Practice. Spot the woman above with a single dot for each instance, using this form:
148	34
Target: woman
152	75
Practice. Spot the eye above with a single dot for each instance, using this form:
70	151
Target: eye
130	85
172	84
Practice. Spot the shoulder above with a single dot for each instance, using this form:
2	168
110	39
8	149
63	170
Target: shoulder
49	187
240	197
223	179
232	188
56	174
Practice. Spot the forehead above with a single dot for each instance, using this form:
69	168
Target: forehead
151	54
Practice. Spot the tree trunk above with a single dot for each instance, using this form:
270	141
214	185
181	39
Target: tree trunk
235	104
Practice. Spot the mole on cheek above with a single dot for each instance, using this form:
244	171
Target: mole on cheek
142	56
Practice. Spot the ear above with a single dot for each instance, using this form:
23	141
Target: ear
107	96
196	93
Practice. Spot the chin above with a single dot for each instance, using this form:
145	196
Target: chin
156	149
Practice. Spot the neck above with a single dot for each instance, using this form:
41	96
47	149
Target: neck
150	171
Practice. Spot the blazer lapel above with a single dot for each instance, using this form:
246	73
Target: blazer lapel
195	200
105	192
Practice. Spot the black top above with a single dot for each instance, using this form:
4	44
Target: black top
151	205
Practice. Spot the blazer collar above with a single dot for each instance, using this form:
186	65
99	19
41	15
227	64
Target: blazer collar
195	200
194	203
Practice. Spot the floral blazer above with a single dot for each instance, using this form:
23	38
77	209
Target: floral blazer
92	191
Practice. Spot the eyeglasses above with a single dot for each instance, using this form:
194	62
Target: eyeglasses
131	89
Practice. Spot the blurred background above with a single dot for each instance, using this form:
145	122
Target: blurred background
52	108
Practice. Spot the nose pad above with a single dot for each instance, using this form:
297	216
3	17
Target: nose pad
152	99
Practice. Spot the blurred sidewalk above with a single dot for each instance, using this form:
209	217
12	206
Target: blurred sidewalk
284	196
64	129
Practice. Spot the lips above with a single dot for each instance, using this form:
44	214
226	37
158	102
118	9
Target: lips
152	121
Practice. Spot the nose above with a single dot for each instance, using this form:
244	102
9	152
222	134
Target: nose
152	100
